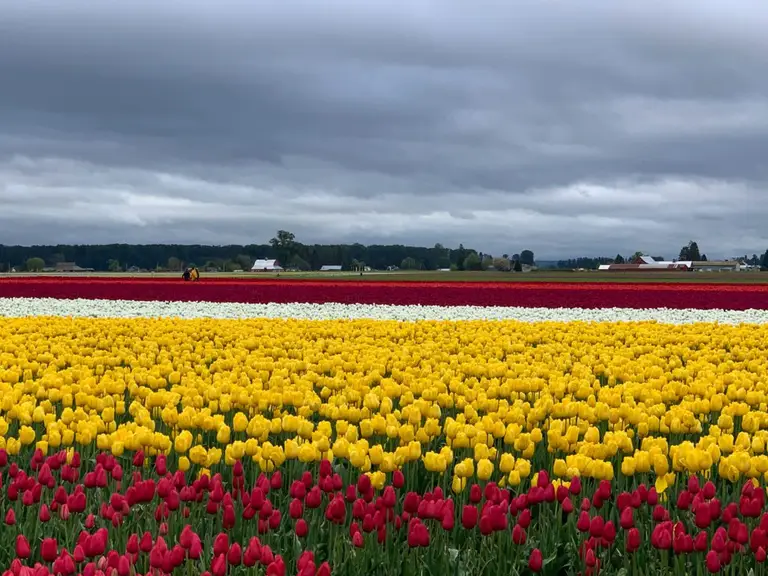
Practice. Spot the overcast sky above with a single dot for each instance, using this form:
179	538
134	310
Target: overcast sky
568	127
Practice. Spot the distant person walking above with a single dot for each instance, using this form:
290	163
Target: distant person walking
191	274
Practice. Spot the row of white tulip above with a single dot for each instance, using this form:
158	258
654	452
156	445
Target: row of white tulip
21	307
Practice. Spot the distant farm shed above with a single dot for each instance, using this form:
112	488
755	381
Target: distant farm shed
331	268
648	264
70	267
266	266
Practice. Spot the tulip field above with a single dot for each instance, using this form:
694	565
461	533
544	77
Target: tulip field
314	428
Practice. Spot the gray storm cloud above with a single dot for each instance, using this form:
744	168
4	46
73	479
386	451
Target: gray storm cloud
568	128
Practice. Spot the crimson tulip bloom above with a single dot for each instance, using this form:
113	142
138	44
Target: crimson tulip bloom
22	547
535	561
609	532
700	542
302	529
583	524
219	566
713	562
295	509
626	519
132	546
469	516
575	487
49	549
525	518
702	516
357	540
418	534
363	484
234	555
220	544
633	540
596	526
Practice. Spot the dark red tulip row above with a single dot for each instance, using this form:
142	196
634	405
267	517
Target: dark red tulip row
108	516
548	295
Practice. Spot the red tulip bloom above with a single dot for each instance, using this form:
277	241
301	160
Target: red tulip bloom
220	544
357	540
219	566
145	545
626	519
398	481
363	484
302	529
276	568
684	500
590	559
713	562
702	517
583	523
49	549
519	536
469	517
693	485
196	550
295	509
160	465
234	555
314	497
323	570
535	561
575	486
700	542
22	547
336	510
596	526
567	506
123	566
760	555
418	535
633	540
389	499
411	502
609	532
10	517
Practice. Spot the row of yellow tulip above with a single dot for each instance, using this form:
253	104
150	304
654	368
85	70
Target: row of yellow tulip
472	398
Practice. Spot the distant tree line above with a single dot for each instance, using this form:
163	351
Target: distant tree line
283	247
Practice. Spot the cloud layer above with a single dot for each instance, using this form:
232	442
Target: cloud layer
567	128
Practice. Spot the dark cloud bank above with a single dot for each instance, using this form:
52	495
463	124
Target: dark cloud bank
567	127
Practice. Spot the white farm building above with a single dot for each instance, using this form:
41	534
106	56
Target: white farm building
266	266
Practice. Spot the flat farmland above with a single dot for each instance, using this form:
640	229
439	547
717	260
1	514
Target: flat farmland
545	276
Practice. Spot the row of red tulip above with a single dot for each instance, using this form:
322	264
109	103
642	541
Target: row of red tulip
70	515
548	295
